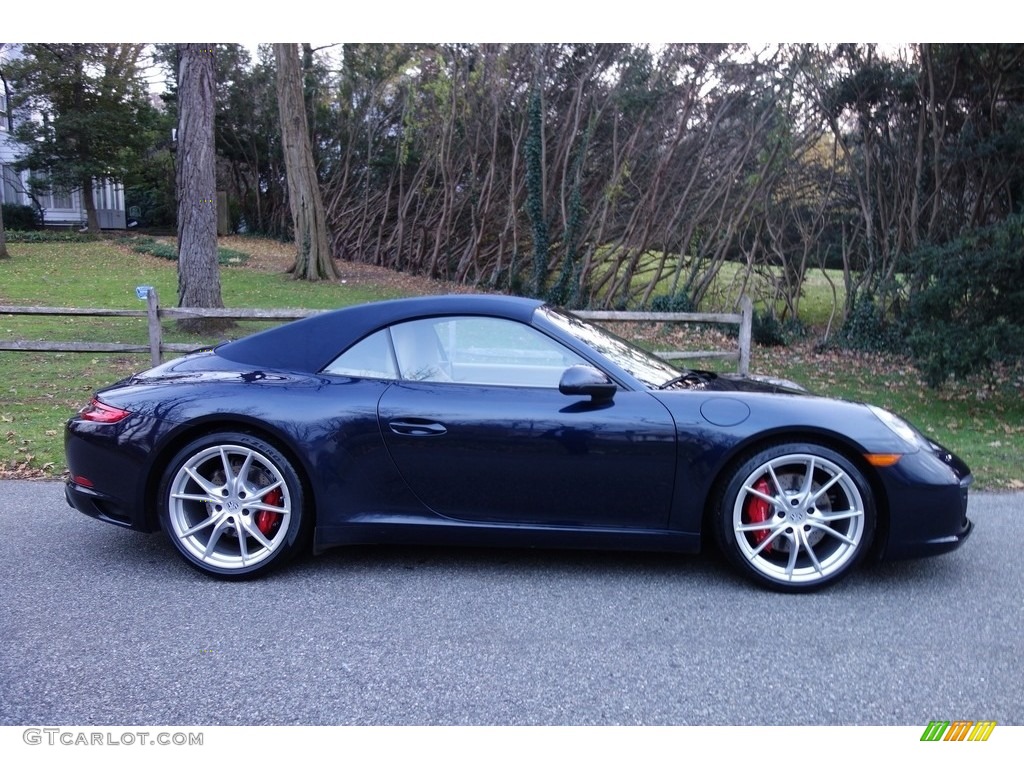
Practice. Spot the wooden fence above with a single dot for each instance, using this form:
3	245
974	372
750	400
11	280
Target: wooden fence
157	346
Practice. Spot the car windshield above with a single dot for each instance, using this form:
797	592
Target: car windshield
638	363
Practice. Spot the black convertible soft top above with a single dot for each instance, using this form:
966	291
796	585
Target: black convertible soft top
310	344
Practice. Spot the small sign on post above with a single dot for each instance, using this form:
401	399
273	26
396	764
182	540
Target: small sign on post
142	291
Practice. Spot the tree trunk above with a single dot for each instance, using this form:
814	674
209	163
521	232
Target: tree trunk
92	220
198	270
312	251
3	238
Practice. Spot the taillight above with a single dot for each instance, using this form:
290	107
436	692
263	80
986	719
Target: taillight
102	413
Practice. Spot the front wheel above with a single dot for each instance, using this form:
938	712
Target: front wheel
796	517
233	505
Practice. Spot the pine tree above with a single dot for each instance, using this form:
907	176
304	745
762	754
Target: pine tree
91	117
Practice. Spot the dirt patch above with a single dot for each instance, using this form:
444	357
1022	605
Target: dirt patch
264	255
274	256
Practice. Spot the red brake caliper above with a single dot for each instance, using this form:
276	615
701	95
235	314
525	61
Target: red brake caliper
266	520
758	510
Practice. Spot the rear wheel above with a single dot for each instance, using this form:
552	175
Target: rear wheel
796	517
233	505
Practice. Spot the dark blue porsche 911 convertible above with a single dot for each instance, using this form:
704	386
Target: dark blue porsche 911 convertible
497	421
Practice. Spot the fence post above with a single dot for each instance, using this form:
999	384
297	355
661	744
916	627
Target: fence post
746	325
156	331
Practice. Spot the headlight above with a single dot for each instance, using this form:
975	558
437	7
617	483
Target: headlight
900	427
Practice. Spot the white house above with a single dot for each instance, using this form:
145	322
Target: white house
60	208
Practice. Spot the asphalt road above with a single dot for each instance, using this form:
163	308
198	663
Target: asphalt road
102	626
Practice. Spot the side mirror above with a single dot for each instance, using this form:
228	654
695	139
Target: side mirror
586	381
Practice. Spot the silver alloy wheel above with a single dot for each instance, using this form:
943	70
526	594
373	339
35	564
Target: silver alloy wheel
799	518
229	507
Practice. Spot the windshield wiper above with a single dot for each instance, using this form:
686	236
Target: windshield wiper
694	378
689	375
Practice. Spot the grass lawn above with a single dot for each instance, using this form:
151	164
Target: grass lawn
982	420
822	300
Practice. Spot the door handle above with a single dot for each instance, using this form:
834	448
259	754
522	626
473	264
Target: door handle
416	427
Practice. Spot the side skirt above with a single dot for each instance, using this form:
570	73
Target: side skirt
389	530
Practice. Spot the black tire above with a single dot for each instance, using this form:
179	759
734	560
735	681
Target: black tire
795	517
234	506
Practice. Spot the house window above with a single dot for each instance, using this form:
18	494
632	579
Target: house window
59	199
9	184
55	198
3	112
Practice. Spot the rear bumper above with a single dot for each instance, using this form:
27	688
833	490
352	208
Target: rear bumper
97	505
105	476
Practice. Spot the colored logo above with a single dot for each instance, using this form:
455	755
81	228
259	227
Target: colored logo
958	730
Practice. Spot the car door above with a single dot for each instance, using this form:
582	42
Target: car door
480	432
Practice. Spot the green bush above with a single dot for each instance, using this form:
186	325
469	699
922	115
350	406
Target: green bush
866	329
21	218
151	247
675	302
967	312
50	236
768	331
231	256
162	250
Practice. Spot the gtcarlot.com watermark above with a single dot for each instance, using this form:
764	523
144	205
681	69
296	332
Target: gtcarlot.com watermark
71	737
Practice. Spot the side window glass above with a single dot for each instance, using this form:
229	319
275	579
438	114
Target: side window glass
480	350
370	358
418	349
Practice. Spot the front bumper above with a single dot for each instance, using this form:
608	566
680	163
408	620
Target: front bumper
927	496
